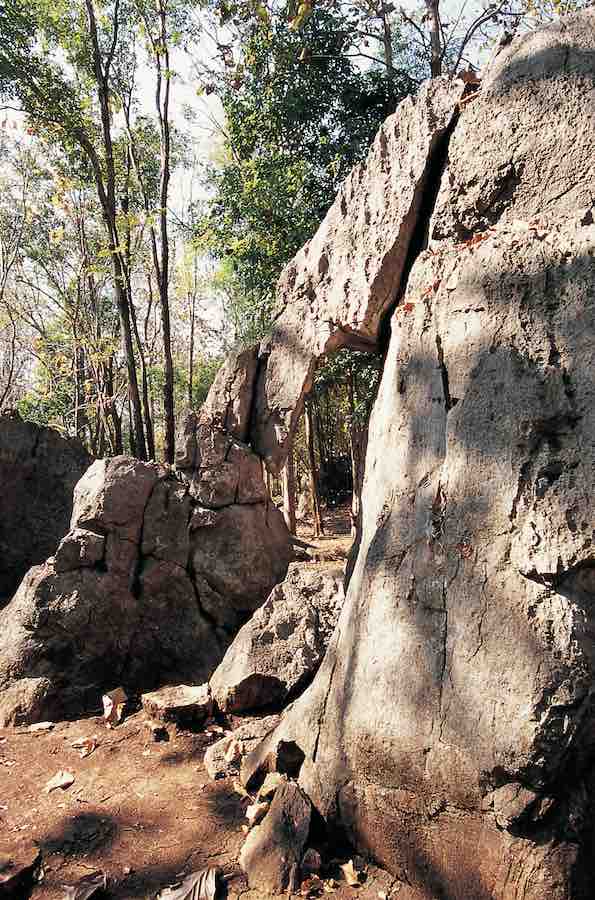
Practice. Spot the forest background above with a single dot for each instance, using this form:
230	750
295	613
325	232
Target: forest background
160	163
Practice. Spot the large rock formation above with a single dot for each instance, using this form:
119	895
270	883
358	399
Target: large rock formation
38	471
337	290
451	728
157	573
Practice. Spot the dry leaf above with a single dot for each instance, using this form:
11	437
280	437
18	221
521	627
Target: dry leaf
86	887
201	885
85	746
330	886
41	726
382	895
311	886
349	873
113	706
61	779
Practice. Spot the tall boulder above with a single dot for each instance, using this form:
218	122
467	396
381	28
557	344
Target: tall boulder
340	286
158	571
450	731
38	471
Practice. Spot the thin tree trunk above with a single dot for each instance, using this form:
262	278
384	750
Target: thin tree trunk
191	350
162	104
387	40
106	189
288	477
313	473
433	8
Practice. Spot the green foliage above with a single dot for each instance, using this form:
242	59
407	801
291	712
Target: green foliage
296	123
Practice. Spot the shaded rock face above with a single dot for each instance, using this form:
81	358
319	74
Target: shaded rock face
38	472
277	652
451	727
152	581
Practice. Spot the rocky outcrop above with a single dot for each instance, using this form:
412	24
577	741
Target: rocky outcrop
450	731
157	573
277	652
38	471
272	853
338	289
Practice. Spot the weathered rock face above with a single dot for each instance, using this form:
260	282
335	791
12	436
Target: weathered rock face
451	727
277	652
152	581
272	852
337	289
38	472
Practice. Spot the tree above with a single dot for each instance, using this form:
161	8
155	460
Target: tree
294	128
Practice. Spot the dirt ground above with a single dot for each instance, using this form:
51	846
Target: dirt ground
144	812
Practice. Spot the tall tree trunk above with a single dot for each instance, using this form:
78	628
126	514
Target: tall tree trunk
433	8
191	349
313	473
162	94
387	41
105	179
289	492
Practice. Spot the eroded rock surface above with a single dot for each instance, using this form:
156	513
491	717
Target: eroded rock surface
450	730
273	850
336	290
38	471
278	651
157	573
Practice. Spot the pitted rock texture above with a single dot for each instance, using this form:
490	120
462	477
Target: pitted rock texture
336	290
450	731
149	585
38	471
276	654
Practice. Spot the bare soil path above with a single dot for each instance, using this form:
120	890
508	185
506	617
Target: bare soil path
144	812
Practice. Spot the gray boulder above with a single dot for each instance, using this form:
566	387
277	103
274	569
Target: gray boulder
38	471
275	655
338	289
450	729
149	586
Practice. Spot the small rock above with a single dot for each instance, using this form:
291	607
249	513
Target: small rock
249	735
183	704
61	779
272	852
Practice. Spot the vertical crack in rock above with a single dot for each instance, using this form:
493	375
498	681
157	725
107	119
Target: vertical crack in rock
422	210
326	697
449	400
443	662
